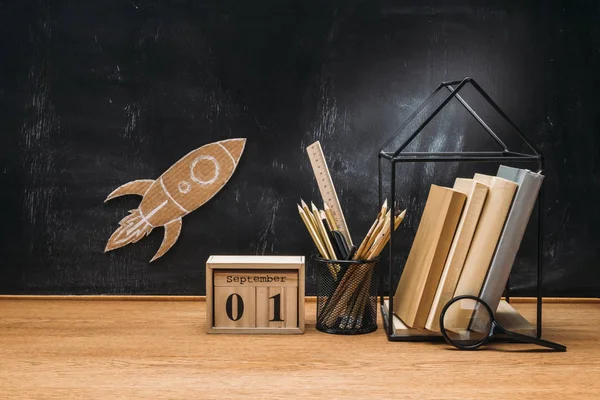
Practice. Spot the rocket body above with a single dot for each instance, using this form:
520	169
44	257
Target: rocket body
185	186
191	181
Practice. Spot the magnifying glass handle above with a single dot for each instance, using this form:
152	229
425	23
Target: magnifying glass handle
540	342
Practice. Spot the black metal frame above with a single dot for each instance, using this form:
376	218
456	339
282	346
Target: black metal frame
505	155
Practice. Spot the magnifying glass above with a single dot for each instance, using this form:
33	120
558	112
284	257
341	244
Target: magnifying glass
467	323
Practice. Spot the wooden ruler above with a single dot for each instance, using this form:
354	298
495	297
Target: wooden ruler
319	165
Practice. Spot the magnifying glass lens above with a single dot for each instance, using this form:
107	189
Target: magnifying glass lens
466	323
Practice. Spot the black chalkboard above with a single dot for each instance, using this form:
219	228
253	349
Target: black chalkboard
95	94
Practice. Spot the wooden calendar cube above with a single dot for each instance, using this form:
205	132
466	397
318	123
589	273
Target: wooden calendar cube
255	294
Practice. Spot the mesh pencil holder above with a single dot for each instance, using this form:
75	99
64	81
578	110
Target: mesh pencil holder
346	296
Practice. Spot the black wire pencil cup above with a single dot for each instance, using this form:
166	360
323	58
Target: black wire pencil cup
347	289
346	303
396	153
346	274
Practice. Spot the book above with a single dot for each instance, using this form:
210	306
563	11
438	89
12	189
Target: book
506	315
512	234
476	193
487	233
427	256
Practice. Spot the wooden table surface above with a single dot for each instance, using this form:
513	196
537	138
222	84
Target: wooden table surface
73	349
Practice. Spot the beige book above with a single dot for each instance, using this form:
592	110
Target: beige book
489	228
476	193
428	253
506	315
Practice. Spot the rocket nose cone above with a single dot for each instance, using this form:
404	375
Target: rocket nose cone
235	147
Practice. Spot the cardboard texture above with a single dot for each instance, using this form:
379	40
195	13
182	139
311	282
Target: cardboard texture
185	186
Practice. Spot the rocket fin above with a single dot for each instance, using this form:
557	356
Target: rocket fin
172	231
139	187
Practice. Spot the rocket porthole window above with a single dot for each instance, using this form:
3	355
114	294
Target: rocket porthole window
204	170
184	187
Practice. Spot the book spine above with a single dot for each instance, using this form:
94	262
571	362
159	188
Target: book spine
512	234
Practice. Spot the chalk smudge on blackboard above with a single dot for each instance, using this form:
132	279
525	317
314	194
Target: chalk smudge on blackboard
268	231
327	114
132	111
277	164
40	123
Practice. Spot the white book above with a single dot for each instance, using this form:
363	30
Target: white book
512	234
476	193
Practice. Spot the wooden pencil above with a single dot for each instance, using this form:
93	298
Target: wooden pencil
376	232
361	249
356	273
326	222
310	216
362	292
330	218
385	237
313	233
321	228
317	241
365	296
349	302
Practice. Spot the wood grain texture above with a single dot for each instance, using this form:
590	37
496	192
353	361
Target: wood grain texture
139	350
256	279
243	307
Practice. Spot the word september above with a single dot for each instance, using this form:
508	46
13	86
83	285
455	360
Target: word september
265	278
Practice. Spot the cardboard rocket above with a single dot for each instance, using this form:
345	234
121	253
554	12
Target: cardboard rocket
185	186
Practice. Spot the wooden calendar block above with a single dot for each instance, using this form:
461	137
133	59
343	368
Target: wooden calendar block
257	278
290	311
255	294
277	307
238	304
268	307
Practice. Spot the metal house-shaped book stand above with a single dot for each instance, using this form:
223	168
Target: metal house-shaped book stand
395	151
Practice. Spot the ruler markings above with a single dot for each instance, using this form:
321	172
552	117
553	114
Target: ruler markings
326	187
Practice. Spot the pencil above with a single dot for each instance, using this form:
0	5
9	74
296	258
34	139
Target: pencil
309	215
363	297
330	218
317	241
312	233
321	228
385	236
375	234
315	224
325	220
342	298
362	248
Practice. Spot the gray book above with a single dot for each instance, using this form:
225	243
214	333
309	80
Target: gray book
512	233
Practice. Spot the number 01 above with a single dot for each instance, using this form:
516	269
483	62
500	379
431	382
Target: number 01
240	307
